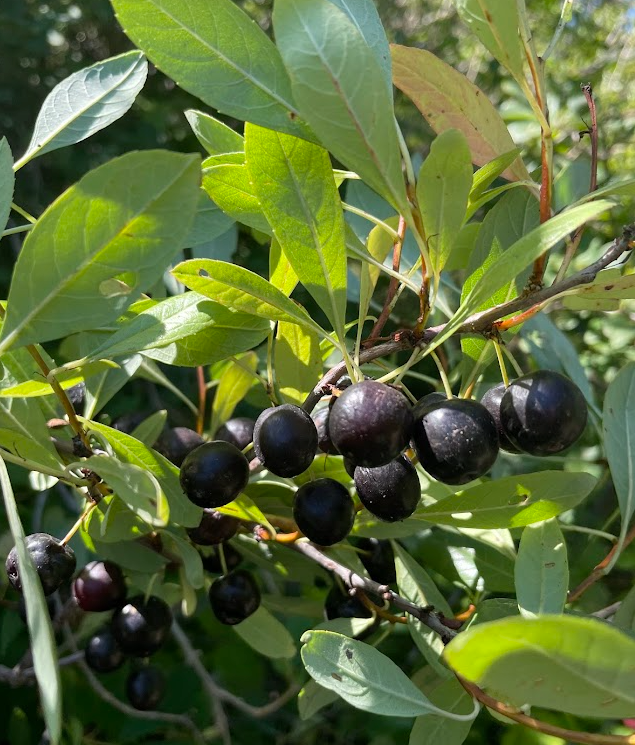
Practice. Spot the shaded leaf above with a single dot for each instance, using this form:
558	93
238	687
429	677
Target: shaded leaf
210	222
7	182
433	729
264	633
312	698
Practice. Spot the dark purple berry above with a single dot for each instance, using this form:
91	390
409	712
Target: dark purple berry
175	443
145	688
141	626
212	562
54	562
339	604
370	423
389	492
492	402
324	511
234	597
239	431
214	474
285	440
76	395
378	559
214	528
321	419
100	586
102	653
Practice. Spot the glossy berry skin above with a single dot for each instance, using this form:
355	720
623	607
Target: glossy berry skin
285	440
214	528
102	653
140	627
430	398
324	511
321	419
378	559
129	422
456	440
213	564
214	474
145	688
389	492
100	586
54	562
175	443
76	395
234	597
370	423
543	413
239	431
339	604
492	402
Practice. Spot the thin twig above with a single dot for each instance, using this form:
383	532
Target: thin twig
17	676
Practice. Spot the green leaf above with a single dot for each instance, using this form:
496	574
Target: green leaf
518	256
85	102
577	665
620	187
619	440
190	558
43	644
233	385
417	586
488	173
150	428
129	215
625	616
312	698
297	362
24	417
26	446
347	626
7	182
210	222
114	521
324	52
128	449
238	288
281	274
215	136
511	502
66	378
217	53
463	247
542	570
229	186
609	286
264	633
135	486
363	676
436	730
495	23
188	330
447	99
101	388
443	186
244	508
293	180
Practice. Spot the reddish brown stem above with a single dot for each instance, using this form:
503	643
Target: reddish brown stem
381	612
588	94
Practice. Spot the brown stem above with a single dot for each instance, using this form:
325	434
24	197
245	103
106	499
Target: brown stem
202	399
389	302
381	612
569	735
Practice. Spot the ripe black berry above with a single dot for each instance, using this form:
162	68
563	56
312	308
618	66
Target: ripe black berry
492	402
234	597
141	626
214	528
175	443
129	422
239	431
456	440
76	395
543	413
214	474
100	586
378	559
213	564
370	423
389	492
145	688
54	562
321	419
430	398
102	653
324	511
285	440
339	604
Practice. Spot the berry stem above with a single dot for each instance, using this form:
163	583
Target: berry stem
87	510
202	399
442	374
223	561
501	363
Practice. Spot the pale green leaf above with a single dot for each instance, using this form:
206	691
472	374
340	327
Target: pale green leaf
217	53
577	665
66	378
297	362
190	558
233	385
150	428
215	136
312	698
129	215
325	54
488	173
542	570
281	274
85	102
43	644
264	633
210	222
230	188
511	502
436	730
7	182
245	508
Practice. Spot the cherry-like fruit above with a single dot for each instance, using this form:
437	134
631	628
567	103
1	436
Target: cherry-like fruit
543	413
324	511
285	440
212	562
370	423
141	626
214	528
456	440
175	443
54	562
492	402
145	688
102	653
389	492
100	586
321	419
378	559
239	431
214	474
339	604
234	597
